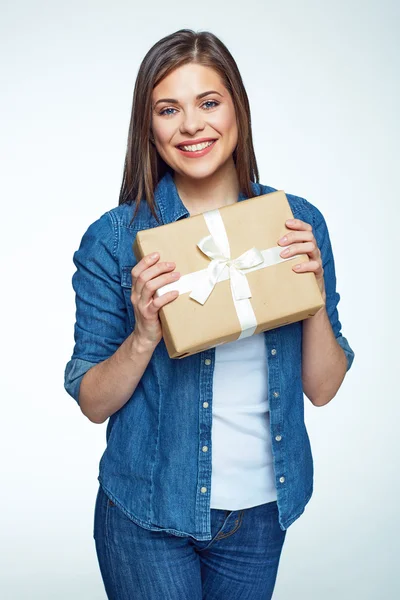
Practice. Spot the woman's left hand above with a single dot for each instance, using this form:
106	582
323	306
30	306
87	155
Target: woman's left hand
302	241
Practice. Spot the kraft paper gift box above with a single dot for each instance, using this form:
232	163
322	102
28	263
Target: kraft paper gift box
225	296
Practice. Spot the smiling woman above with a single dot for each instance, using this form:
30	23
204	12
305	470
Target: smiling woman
189	91
208	461
207	117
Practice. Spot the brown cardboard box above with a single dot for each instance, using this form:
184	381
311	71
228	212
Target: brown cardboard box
278	295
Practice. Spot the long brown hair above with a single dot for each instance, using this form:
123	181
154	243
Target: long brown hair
144	167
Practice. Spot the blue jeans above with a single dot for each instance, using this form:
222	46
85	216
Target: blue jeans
239	562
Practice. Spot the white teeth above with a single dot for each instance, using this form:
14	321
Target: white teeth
197	147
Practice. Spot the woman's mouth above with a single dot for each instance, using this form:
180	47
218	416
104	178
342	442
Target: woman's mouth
196	150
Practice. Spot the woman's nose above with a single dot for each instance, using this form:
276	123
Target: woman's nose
192	121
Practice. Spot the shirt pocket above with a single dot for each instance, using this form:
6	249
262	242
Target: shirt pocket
126	284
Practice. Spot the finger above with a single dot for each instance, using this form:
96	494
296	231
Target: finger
149	273
152	285
296	236
151	309
159	301
303	248
298	224
144	263
310	265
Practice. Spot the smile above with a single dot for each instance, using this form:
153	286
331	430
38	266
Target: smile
196	150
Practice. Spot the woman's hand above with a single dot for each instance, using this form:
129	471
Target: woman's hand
147	276
302	241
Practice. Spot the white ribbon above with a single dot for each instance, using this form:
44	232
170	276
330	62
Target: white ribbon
239	285
201	283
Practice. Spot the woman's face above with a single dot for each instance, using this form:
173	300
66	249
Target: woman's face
191	106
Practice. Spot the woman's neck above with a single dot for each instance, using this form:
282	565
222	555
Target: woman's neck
200	195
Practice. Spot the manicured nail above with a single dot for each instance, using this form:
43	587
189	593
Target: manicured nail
285	252
283	240
297	267
290	222
154	255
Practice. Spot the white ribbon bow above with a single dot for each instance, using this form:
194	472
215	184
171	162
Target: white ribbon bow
219	261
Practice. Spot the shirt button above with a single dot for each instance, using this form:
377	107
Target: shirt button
207	361
278	438
276	394
281	479
205	404
273	351
203	490
205	448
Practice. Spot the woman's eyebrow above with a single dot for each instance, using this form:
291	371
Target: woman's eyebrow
198	97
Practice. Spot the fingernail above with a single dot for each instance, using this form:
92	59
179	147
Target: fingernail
290	222
297	267
283	240
285	252
154	255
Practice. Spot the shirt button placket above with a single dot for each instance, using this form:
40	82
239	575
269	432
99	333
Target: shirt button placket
275	394
204	473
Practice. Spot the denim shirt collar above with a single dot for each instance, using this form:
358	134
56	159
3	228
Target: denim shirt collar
169	204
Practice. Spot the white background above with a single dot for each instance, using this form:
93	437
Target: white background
323	84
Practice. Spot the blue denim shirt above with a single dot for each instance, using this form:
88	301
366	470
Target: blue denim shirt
153	466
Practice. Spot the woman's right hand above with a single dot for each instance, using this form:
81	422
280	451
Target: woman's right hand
147	276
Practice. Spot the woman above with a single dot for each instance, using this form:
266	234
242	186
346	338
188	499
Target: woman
169	521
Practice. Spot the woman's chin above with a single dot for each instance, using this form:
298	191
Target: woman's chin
199	172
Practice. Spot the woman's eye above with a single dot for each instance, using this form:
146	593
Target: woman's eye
164	111
210	102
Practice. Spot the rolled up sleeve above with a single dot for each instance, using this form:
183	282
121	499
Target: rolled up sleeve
101	316
321	234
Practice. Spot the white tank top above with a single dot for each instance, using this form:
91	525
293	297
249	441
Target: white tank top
242	462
